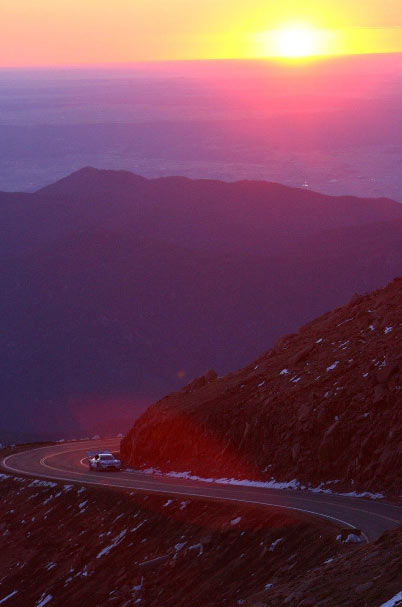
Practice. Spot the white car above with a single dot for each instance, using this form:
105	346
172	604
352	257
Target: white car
103	460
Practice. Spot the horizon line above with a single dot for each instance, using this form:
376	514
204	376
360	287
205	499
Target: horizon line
151	62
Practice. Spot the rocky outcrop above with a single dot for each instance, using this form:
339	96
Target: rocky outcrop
323	404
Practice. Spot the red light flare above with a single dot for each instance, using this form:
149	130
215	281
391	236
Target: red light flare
91	412
169	440
166	444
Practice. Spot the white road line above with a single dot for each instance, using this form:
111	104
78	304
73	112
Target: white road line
171	492
144	485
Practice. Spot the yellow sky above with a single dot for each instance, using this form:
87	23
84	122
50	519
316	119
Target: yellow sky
54	32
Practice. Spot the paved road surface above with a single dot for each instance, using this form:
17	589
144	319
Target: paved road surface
67	462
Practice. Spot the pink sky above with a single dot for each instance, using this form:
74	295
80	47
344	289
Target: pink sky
57	32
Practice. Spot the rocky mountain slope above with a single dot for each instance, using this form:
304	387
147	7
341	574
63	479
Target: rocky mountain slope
322	405
115	288
96	547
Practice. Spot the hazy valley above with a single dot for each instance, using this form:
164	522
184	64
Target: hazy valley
116	289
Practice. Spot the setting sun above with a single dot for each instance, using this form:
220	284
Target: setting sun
296	42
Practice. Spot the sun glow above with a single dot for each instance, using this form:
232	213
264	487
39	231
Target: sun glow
297	41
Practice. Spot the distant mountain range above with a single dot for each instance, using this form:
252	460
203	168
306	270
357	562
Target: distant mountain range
116	289
322	405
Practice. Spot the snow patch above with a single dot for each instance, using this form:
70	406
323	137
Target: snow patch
271	484
394	602
352	538
373	496
235	521
344	322
83	573
38	483
275	543
134	529
44	600
4	599
333	366
117	540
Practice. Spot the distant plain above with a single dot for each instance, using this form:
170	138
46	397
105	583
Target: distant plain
332	124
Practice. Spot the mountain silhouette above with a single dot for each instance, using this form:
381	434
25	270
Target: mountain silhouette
116	288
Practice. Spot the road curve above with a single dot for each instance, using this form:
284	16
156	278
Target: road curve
66	462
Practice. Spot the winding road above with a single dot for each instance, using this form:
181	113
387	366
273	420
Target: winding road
67	462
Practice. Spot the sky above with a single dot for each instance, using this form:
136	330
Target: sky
69	32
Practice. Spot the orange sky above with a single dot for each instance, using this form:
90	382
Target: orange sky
57	32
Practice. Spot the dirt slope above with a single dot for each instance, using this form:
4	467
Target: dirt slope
67	545
72	546
323	404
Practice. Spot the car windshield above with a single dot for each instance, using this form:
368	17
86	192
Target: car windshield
106	457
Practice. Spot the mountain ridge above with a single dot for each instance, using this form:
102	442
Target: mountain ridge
117	296
255	217
86	174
